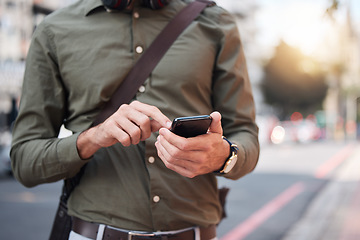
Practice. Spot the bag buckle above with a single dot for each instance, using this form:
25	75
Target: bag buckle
139	234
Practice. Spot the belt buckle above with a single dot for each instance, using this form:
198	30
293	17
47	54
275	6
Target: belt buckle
139	234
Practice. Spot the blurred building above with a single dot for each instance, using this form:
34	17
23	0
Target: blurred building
342	106
18	18
341	59
17	21
15	29
350	80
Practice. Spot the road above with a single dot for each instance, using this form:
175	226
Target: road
267	203
264	205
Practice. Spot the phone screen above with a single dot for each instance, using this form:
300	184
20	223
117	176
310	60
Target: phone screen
191	126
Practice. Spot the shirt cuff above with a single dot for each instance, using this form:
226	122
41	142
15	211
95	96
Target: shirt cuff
68	155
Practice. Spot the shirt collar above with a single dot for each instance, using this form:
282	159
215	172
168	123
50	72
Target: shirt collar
92	5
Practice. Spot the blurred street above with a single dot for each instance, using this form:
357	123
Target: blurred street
298	191
303	60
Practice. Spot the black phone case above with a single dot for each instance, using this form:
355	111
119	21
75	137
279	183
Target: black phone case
191	126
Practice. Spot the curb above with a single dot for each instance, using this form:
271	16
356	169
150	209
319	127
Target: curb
324	217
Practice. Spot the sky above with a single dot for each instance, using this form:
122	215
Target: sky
300	23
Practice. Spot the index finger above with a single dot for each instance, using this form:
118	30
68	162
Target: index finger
152	112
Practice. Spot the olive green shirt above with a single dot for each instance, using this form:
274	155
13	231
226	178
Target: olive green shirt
79	55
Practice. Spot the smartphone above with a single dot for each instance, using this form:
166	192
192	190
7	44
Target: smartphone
191	126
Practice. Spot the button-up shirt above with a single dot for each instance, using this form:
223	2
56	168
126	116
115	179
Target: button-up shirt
79	55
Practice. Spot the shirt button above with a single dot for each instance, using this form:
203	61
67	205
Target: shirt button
142	89
136	15
156	199
151	159
139	49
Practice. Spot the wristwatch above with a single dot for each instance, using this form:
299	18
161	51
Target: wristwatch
232	159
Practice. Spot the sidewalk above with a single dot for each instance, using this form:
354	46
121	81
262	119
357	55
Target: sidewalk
335	212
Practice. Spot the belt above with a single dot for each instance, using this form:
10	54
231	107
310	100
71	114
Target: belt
90	230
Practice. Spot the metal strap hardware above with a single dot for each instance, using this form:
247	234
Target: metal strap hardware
139	234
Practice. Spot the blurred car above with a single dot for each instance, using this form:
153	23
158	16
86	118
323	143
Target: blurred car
5	159
266	124
295	131
5	142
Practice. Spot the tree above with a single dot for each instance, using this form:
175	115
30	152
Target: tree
293	82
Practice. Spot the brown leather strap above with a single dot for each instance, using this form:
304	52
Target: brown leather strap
90	230
148	61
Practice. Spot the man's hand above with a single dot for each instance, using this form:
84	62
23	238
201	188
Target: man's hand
130	124
191	157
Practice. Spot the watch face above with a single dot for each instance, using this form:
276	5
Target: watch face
231	163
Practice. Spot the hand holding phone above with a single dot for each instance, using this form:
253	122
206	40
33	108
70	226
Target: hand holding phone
193	157
191	126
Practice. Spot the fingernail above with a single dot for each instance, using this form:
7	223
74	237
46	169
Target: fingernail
168	125
162	131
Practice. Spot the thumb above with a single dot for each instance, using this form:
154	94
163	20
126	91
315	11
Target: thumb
215	126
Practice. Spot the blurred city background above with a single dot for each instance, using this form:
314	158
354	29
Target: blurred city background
303	58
